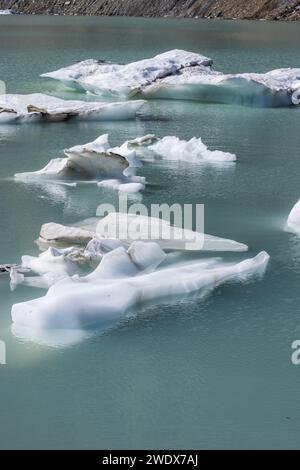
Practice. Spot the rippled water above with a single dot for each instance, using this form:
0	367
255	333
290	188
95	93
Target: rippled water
201	373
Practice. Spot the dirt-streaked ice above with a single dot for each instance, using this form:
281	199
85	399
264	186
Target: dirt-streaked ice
55	264
39	107
94	161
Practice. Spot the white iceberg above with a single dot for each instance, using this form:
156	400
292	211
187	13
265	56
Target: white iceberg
293	221
130	227
180	74
39	107
122	281
105	78
173	148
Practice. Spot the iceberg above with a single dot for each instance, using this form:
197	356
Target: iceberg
130	227
39	107
173	148
109	79
179	74
293	221
129	188
124	279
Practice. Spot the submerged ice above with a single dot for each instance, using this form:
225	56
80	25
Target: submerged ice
39	107
179	74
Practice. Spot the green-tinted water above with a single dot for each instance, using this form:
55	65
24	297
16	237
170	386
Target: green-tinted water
213	373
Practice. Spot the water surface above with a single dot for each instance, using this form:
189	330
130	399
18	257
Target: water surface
201	373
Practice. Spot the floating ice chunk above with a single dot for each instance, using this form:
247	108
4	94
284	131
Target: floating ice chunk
293	221
92	161
116	286
40	107
130	227
123	187
134	187
172	148
131	187
125	80
182	75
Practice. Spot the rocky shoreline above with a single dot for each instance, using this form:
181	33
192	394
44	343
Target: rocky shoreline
227	9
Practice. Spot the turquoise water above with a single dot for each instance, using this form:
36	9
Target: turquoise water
201	373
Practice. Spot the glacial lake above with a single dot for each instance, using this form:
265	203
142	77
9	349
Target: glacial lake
212	372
